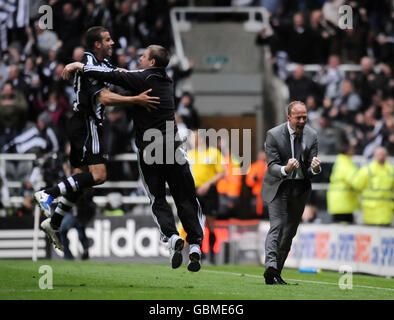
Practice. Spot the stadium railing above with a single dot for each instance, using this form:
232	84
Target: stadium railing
101	200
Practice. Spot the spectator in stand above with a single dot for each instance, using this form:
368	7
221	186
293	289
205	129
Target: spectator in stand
321	34
97	15
328	135
13	107
330	10
39	138
15	76
347	104
297	37
313	112
177	73
300	86
58	109
46	68
132	57
366	82
68	24
124	25
373	137
46	40
384	42
188	112
331	77
160	32
254	180
352	45
121	58
32	80
375	182
78	53
386	79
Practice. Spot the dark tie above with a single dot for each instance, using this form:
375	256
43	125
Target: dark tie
297	147
297	152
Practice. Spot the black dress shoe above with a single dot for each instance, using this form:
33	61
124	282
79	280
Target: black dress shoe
269	275
279	280
272	277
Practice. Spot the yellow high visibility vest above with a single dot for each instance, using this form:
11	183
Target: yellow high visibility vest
341	197
376	183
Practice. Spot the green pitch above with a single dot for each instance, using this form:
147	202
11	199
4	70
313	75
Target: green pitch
19	279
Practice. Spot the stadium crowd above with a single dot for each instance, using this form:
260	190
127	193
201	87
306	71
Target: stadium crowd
35	102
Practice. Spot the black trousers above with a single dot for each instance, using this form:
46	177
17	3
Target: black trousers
181	183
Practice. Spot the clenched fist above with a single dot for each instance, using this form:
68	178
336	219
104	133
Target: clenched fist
292	164
315	165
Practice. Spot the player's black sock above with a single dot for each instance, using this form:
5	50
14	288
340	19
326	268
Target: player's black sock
63	207
72	184
56	220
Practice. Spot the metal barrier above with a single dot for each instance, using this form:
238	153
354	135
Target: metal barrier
101	200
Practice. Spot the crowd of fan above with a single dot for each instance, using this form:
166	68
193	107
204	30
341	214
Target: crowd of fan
35	102
356	104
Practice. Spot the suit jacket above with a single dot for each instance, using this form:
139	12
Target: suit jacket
278	152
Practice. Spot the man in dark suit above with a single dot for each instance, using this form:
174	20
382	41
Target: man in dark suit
291	150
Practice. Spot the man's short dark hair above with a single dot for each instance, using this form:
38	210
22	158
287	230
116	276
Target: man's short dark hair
160	54
92	35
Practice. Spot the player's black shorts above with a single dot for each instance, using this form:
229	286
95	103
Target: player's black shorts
209	202
86	140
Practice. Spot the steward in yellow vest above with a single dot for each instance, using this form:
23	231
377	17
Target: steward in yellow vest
375	181
342	199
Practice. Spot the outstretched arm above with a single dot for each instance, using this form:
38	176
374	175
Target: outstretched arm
127	80
109	98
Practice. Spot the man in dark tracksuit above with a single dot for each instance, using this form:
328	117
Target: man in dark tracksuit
167	162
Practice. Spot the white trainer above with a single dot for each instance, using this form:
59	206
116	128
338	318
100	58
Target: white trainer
44	200
176	244
51	233
195	258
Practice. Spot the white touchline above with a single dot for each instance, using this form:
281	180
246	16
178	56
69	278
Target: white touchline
308	281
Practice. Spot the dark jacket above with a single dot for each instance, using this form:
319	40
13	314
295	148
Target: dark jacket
278	151
139	81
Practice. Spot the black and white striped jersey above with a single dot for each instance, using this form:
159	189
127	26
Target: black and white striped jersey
46	141
87	89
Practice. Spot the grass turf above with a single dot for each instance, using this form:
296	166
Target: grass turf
19	279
